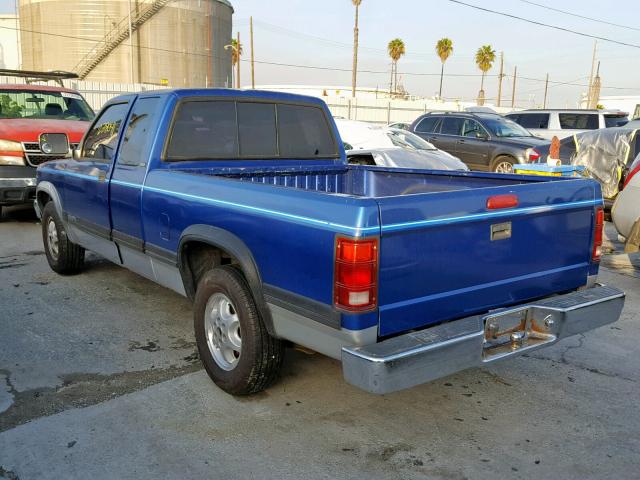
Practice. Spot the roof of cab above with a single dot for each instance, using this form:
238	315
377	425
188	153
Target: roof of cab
225	92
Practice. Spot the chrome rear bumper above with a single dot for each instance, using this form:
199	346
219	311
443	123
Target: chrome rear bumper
425	355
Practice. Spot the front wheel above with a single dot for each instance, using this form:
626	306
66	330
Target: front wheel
64	256
235	348
503	165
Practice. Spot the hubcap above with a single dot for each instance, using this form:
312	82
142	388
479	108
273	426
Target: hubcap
52	237
222	328
504	167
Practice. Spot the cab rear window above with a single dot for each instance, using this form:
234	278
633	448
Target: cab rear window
216	129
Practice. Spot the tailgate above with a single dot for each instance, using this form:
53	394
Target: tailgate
445	255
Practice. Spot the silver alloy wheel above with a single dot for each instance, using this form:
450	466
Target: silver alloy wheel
504	167
222	328
52	238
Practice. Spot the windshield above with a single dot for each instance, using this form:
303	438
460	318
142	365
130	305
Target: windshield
503	127
402	138
44	105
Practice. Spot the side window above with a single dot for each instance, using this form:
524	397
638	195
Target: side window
204	129
534	120
257	129
579	121
427	125
303	132
101	141
452	126
515	117
471	128
137	139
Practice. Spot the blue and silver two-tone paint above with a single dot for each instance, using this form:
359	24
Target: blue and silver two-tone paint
458	282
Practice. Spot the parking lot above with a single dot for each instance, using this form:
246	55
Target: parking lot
99	378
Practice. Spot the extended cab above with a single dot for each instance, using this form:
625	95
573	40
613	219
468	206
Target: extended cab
37	124
244	202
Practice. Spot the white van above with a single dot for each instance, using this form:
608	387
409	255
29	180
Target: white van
564	123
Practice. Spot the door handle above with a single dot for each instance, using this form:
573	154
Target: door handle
461	141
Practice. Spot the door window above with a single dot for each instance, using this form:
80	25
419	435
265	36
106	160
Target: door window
578	121
452	126
102	140
533	120
427	125
137	139
472	129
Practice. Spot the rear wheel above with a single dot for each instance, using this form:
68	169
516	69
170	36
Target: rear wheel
235	348
64	256
503	164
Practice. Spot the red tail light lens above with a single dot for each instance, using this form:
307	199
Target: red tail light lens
534	155
356	274
598	227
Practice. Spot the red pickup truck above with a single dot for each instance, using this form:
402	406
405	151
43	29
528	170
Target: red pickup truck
37	124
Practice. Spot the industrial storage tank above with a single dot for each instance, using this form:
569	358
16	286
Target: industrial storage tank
175	42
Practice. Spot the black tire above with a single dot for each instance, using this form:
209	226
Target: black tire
66	257
258	363
500	161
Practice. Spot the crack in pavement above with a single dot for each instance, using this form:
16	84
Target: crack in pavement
80	390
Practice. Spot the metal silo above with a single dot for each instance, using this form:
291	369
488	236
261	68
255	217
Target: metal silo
180	42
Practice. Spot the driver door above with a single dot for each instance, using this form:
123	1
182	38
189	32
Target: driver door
87	183
473	145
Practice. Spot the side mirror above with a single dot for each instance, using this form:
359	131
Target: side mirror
482	136
75	153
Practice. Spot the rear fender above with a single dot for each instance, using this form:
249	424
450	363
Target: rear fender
236	248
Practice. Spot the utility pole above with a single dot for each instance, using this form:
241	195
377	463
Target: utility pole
238	63
593	64
354	72
130	46
500	76
513	92
546	90
253	68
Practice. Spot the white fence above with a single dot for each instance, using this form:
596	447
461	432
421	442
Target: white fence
387	111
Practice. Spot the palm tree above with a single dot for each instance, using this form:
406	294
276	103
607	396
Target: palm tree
444	48
396	50
356	3
485	56
236	53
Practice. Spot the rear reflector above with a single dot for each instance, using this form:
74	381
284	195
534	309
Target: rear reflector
598	226
502	201
356	274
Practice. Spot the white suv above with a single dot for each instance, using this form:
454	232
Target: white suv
564	123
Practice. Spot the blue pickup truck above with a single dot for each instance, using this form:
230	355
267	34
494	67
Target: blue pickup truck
243	201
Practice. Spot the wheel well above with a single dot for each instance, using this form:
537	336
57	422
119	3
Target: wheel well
196	258
43	198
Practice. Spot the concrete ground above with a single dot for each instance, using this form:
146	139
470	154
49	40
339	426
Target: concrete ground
99	378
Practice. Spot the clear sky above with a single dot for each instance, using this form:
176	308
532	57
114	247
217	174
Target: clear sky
300	32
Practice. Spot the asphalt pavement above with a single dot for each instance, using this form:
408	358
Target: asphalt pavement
99	378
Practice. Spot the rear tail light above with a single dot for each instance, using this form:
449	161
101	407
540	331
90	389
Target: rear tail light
598	227
356	274
533	155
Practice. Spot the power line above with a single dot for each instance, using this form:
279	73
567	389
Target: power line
555	27
309	67
580	16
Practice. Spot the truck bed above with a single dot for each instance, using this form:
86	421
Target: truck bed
440	258
371	182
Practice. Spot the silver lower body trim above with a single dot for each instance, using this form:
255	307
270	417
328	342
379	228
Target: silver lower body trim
17	182
318	336
419	357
